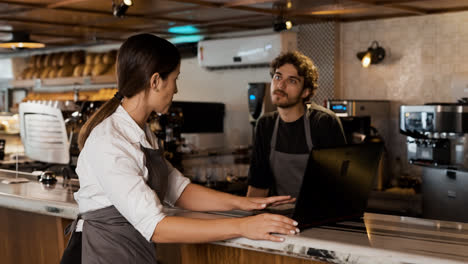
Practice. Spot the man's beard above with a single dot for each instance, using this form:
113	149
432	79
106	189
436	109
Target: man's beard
290	102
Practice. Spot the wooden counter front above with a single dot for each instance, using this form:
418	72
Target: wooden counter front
31	238
35	238
209	253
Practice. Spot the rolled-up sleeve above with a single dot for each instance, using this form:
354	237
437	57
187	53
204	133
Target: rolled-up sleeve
121	179
177	183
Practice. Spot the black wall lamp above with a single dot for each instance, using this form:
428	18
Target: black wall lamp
21	40
118	10
374	54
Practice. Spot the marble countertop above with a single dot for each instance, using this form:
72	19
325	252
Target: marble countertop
376	239
36	197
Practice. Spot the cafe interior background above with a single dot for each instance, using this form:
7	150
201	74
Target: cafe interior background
425	46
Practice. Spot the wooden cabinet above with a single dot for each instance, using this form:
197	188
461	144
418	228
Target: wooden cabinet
31	238
210	253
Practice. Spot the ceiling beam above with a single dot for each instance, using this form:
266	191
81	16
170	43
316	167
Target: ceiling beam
64	3
61	35
96	12
328	10
247	18
15	11
222	5
390	2
55	26
447	10
150	17
34	21
177	10
394	5
354	19
247	2
338	12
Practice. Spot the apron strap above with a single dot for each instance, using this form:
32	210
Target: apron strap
157	171
72	226
275	134
308	135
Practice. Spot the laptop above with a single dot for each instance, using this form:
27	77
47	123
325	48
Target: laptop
336	185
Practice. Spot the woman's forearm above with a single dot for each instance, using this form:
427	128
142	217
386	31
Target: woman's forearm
199	198
173	229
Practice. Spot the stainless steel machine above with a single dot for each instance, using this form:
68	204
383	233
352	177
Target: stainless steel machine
435	134
436	139
362	117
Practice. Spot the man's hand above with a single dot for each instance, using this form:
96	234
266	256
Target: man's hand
258	203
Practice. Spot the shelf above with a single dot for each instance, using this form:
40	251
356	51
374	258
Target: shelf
3	132
66	83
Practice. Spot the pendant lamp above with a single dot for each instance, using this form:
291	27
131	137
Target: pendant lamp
21	40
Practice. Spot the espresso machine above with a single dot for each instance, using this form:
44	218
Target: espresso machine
362	119
259	102
436	140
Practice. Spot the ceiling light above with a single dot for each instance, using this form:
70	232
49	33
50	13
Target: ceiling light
189	29
118	10
281	23
185	39
374	54
21	40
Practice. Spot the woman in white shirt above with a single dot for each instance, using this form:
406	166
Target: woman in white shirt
124	178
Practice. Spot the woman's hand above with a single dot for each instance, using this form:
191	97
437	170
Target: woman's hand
258	203
262	227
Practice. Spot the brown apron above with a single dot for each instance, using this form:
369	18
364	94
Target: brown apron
288	169
108	237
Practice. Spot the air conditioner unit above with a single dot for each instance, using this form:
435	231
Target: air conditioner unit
257	50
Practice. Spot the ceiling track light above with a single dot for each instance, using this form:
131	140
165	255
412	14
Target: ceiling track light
119	10
374	54
281	23
21	40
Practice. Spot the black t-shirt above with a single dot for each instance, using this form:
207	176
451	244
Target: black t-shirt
325	130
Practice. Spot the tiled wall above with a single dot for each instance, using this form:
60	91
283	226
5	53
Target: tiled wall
423	54
318	42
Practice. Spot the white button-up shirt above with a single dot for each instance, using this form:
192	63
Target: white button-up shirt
111	169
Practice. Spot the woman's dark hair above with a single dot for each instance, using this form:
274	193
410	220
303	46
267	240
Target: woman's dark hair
304	65
139	57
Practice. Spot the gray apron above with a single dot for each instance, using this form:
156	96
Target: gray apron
108	237
288	169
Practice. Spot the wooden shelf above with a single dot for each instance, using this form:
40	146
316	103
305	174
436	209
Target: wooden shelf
3	132
22	83
66	83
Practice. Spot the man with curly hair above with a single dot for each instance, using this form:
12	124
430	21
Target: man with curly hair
284	138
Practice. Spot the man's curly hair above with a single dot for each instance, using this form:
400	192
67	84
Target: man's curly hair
304	65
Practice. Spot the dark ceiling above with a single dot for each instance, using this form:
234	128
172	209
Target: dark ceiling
77	22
